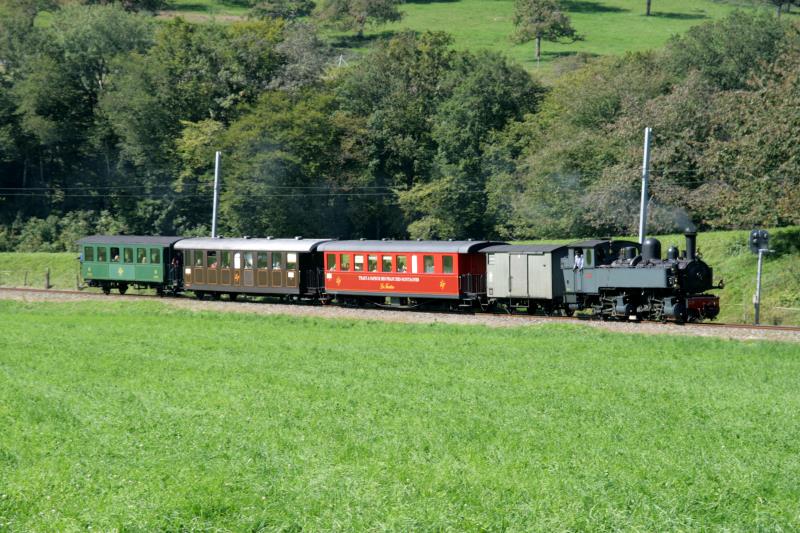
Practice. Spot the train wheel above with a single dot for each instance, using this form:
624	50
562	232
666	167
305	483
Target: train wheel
106	289
215	296
232	296
199	295
123	288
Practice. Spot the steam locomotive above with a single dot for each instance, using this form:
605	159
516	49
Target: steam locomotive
618	279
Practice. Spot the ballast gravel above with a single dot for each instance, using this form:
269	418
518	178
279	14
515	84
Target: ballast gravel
414	317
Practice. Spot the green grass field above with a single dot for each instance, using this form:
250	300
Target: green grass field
609	27
135	416
28	269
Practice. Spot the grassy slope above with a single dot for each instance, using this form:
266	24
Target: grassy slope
608	26
14	266
726	251
134	416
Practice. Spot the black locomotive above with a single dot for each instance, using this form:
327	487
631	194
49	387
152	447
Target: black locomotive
612	278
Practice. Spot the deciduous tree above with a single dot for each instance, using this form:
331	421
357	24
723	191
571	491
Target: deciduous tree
542	19
355	14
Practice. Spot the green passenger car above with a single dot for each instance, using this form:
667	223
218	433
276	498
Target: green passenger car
122	261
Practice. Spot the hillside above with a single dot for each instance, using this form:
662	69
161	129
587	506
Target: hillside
608	27
725	251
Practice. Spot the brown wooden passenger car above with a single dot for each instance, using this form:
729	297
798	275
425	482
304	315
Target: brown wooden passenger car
285	267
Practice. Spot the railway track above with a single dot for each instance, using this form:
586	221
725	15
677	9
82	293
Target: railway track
579	319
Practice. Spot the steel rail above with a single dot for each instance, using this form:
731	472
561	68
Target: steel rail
579	318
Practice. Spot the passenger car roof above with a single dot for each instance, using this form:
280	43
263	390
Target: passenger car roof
524	248
129	239
256	245
591	243
457	247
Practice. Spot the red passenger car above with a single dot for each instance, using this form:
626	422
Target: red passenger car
405	272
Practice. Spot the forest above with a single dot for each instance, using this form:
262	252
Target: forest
109	120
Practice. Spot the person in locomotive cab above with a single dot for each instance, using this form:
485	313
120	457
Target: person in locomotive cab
578	260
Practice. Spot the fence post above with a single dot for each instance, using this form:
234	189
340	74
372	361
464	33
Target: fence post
47	279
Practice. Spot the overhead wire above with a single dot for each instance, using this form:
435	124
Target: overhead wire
154	191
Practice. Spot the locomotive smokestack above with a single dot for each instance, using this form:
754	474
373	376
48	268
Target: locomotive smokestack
691	243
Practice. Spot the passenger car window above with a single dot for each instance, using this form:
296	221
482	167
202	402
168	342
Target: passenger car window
198	258
331	261
386	263
141	255
248	259
372	263
358	263
101	254
262	260
114	255
401	263
128	253
427	262
344	262
277	259
291	261
211	259
237	260
226	259
588	256
88	253
447	264
155	255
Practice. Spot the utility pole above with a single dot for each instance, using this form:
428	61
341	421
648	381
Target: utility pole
645	183
215	208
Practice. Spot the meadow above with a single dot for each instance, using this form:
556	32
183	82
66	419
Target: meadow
136	416
608	27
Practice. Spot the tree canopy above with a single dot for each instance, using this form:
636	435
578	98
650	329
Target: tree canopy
109	122
355	14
